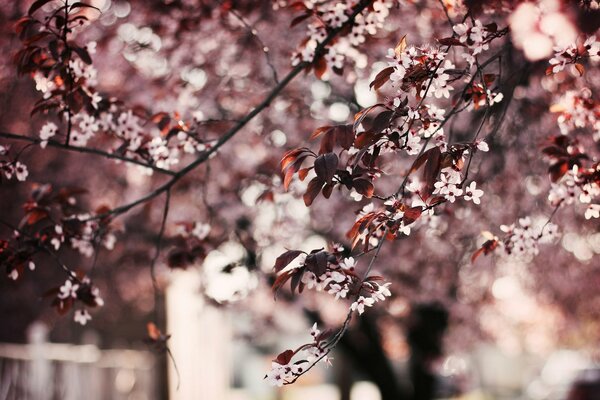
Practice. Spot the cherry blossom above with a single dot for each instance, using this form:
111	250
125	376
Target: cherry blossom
473	194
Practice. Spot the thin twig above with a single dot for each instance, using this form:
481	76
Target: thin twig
43	247
265	49
87	150
340	333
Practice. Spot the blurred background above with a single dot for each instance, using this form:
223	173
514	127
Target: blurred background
497	329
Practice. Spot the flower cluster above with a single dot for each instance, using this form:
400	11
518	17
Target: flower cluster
85	113
12	168
419	70
580	185
285	371
329	272
332	15
521	241
574	54
476	37
371	293
577	109
73	290
399	215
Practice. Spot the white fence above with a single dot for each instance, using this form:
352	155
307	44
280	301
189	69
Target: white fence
48	371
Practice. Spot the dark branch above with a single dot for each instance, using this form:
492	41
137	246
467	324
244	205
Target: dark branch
88	150
233	131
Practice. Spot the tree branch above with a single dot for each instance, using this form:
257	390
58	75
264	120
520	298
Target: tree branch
242	122
88	150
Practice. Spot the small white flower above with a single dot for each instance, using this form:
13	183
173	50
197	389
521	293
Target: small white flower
314	331
482	146
472	193
68	289
21	171
82	316
201	230
592	211
348	263
55	242
14	274
359	305
48	130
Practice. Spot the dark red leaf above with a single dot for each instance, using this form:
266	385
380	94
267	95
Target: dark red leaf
320	66
364	187
557	170
299	19
280	281
283	260
319	131
344	136
296	278
432	168
314	187
285	357
325	166
83	54
37	5
327	189
327	142
450	41
382	77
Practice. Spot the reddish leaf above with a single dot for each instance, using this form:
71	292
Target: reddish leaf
302	173
382	121
319	131
285	357
364	187
325	166
486	249
83	54
283	260
296	278
432	168
489	79
80	4
450	41
411	214
153	332
327	142
320	67
314	187
37	5
557	170
344	136
400	46
555	151
317	262
360	116
299	19
36	215
289	157
327	190
280	281
382	77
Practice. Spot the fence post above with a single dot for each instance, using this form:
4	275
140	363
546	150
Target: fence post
200	342
39	380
